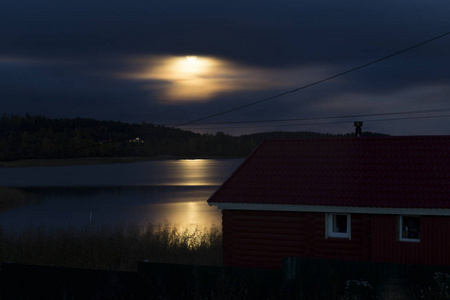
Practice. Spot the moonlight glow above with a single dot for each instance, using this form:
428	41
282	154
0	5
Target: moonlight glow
200	78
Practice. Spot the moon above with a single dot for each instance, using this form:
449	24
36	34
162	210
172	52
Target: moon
191	57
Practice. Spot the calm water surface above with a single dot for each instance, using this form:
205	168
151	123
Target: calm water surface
173	191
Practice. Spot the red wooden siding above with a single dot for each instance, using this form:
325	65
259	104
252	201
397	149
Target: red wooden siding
358	248
433	248
262	238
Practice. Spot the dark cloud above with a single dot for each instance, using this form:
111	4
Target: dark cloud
64	58
299	31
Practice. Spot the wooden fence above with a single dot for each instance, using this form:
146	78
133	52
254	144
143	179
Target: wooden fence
299	278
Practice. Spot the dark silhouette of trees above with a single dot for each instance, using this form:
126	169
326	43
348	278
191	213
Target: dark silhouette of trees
25	137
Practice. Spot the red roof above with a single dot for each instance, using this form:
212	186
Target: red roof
397	172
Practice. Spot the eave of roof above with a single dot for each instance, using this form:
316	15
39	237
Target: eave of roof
334	209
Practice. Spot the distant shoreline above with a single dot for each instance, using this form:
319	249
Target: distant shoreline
21	163
24	163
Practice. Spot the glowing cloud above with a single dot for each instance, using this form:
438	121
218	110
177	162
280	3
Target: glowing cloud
191	57
197	78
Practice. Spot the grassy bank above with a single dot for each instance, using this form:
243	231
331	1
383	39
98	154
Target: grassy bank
112	248
11	198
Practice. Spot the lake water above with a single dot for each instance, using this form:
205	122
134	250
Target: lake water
173	191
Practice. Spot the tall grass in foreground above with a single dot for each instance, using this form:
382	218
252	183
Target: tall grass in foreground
112	248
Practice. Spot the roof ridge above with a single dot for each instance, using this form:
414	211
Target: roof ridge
345	138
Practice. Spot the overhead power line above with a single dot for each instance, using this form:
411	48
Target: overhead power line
329	117
314	83
324	123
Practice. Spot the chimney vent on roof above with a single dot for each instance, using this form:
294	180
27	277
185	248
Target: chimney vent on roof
358	125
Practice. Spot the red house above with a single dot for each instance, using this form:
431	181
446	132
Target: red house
365	199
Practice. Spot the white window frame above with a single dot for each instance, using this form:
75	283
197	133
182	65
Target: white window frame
400	230
329	226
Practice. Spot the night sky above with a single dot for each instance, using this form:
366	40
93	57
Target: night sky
169	62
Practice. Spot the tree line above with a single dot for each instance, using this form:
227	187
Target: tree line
29	137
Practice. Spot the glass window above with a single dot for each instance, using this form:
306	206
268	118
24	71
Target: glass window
338	225
409	228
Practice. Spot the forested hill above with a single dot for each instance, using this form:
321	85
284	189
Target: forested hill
42	137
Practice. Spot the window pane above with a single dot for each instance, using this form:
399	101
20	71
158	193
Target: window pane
340	223
411	228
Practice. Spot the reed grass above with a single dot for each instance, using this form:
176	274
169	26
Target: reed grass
112	248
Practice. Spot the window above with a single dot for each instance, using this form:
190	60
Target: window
409	229
338	225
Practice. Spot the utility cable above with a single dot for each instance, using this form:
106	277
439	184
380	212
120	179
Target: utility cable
329	117
323	123
314	83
